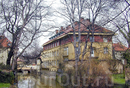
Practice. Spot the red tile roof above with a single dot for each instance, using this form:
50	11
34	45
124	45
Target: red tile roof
4	42
119	47
83	27
85	24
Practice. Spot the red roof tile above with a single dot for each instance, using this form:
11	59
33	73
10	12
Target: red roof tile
119	47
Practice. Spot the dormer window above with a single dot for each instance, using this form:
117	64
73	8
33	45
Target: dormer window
9	44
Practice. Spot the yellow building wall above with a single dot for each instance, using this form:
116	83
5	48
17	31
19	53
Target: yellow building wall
56	55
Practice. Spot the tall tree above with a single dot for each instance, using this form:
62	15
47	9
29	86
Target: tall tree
122	22
94	10
22	19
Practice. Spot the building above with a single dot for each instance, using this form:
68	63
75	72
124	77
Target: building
60	49
4	48
119	50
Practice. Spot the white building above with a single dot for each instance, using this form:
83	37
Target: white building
4	49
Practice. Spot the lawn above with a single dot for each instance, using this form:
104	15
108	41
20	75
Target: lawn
4	85
119	78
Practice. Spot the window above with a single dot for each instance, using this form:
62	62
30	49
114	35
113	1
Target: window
53	44
76	50
51	54
105	39
92	51
105	50
9	44
1	37
65	59
77	38
57	53
91	39
55	63
66	49
57	43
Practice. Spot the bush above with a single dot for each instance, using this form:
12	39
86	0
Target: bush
5	67
6	77
127	57
91	74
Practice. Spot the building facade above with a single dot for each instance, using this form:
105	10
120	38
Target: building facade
4	49
119	50
60	49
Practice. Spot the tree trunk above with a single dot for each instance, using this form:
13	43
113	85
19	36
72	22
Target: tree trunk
10	54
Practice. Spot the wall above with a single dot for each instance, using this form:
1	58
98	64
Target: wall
3	55
52	57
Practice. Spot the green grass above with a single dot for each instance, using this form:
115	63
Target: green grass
119	78
6	85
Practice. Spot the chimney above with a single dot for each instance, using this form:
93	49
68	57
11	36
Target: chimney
76	22
56	31
88	20
81	19
69	26
62	28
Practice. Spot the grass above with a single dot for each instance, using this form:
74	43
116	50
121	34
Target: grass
6	85
119	78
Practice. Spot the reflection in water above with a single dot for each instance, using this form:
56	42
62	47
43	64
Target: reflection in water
42	81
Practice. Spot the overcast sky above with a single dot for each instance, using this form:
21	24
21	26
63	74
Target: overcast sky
57	20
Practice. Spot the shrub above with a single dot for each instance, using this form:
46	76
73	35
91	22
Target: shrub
5	67
6	77
127	57
96	76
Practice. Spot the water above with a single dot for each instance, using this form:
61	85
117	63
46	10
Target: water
45	80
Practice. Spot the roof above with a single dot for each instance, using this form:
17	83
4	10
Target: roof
4	42
119	47
84	28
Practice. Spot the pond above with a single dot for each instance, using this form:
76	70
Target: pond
44	80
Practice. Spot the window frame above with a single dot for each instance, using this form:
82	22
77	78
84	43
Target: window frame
105	39
105	50
91	39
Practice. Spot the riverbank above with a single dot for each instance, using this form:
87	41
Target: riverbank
119	79
5	85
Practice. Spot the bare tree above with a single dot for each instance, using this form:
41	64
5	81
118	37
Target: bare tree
93	10
122	22
34	50
23	20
